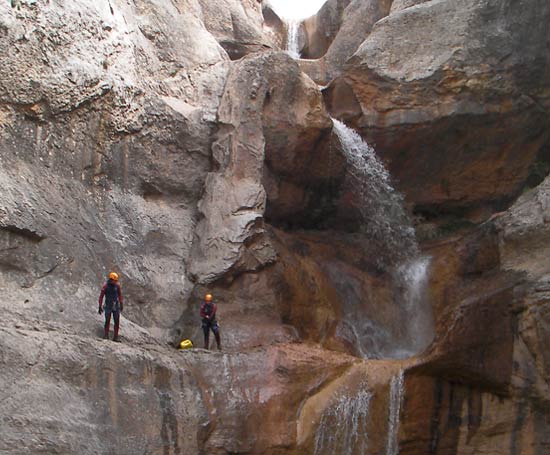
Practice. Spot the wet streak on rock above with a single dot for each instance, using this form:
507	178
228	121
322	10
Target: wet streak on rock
475	412
435	433
517	434
169	426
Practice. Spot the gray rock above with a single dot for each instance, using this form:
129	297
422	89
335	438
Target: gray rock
237	25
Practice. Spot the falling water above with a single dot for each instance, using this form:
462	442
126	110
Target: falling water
412	278
397	391
342	429
388	225
392	240
293	47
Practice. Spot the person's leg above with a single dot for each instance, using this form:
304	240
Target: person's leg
116	318
206	331
107	323
216	330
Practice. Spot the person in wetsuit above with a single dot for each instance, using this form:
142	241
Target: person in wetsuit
208	316
113	304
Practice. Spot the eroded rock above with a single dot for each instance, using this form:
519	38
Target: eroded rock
446	96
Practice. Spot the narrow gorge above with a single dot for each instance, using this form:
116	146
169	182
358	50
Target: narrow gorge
365	193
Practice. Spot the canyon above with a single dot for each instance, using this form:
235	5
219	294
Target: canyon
179	144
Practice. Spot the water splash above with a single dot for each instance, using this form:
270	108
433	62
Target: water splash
342	429
381	206
292	43
397	392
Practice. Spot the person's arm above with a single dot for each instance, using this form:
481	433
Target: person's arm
214	309
202	313
101	295
120	298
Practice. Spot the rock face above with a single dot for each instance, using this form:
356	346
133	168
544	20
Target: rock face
493	386
87	133
237	25
258	125
322	28
336	32
130	141
415	97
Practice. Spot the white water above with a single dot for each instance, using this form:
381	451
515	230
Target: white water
385	221
292	44
397	391
342	429
392	240
412	277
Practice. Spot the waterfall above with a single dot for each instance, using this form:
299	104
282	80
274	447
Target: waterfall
412	278
342	429
292	44
397	391
392	241
381	205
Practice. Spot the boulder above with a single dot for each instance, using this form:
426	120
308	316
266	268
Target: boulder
322	28
237	25
453	95
349	28
259	129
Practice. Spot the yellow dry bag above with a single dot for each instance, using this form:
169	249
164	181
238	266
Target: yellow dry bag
186	344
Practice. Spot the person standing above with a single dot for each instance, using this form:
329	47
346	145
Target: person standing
113	304
208	315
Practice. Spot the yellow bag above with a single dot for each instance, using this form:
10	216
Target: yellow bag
186	344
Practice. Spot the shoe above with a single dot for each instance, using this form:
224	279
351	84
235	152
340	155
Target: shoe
106	336
116	339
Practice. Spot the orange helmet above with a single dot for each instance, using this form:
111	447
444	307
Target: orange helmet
208	297
113	276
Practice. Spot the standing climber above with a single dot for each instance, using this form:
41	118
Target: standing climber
113	304
208	315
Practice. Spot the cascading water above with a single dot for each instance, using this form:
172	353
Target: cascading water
380	204
293	46
397	391
392	238
412	279
342	427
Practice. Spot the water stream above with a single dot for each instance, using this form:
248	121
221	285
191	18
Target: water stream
392	241
397	391
342	429
381	206
293	46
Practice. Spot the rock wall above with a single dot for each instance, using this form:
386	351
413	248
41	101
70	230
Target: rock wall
170	141
473	63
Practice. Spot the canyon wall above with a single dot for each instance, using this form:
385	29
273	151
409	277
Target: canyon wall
176	143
